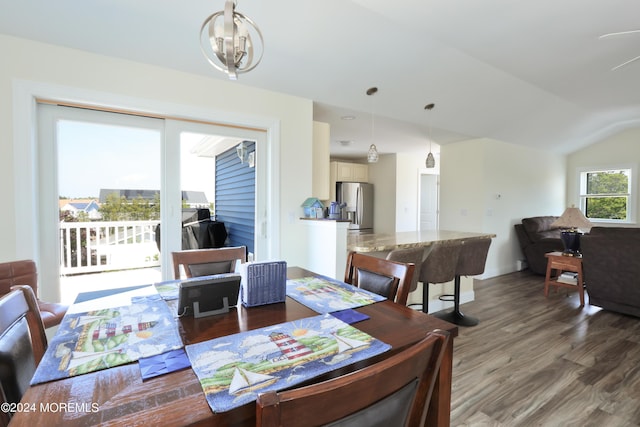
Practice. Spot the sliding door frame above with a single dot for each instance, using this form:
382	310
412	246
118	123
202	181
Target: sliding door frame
27	204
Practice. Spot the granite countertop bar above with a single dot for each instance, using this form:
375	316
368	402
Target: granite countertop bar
326	219
408	239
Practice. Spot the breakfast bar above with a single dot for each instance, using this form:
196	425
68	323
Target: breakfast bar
441	261
409	239
330	242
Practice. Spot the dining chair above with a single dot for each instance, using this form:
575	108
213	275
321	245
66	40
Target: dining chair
206	262
24	272
395	391
22	343
390	279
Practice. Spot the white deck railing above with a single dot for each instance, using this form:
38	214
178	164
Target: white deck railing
88	247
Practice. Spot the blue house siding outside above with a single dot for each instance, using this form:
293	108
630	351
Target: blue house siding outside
235	203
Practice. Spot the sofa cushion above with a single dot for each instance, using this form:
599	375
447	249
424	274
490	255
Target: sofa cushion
539	228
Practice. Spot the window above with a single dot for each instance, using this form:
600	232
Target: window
606	194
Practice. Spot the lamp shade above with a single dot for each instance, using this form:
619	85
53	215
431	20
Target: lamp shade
572	218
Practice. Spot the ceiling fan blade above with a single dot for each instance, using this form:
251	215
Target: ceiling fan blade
620	33
625	63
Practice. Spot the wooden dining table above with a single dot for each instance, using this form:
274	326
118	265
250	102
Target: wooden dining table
119	397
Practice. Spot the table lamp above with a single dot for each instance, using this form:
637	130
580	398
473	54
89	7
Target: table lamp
570	221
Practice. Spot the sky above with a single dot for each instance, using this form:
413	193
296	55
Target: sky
92	156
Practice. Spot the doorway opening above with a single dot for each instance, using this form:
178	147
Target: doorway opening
428	209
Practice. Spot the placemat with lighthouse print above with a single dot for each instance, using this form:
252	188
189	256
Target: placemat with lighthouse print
323	294
232	370
99	339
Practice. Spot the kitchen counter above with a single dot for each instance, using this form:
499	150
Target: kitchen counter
325	219
327	248
408	239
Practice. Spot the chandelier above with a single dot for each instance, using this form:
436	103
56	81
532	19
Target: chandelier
231	42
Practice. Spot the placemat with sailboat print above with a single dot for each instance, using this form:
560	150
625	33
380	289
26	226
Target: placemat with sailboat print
99	339
325	295
234	369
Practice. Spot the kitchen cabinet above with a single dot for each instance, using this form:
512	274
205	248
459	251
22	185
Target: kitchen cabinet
320	166
360	172
351	172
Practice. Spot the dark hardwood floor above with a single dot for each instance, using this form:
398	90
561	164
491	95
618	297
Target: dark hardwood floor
536	361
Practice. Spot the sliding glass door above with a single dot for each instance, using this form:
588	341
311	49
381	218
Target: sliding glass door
100	198
113	189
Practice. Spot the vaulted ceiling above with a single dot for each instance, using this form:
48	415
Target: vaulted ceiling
533	73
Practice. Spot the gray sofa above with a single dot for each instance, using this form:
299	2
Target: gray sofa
537	237
611	265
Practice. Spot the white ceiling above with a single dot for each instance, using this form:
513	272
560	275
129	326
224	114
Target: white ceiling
531	72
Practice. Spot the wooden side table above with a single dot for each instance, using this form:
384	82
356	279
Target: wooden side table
558	262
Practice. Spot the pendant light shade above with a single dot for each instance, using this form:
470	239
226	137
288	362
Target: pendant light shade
430	162
372	155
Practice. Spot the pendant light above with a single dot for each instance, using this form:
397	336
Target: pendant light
431	161
372	155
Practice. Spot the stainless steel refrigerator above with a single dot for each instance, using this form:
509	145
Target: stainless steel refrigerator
358	198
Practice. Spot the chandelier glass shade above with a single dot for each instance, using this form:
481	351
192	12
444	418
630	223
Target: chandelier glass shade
231	42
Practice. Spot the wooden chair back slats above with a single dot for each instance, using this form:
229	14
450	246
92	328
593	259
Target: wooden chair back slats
364	395
400	274
202	257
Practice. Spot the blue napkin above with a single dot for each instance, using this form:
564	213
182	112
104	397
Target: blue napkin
164	363
349	315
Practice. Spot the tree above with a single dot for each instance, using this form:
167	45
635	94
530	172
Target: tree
608	182
119	208
72	240
609	195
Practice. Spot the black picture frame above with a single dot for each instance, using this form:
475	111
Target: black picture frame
209	295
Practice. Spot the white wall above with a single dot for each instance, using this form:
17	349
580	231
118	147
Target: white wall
488	186
620	149
396	185
409	166
24	60
383	177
